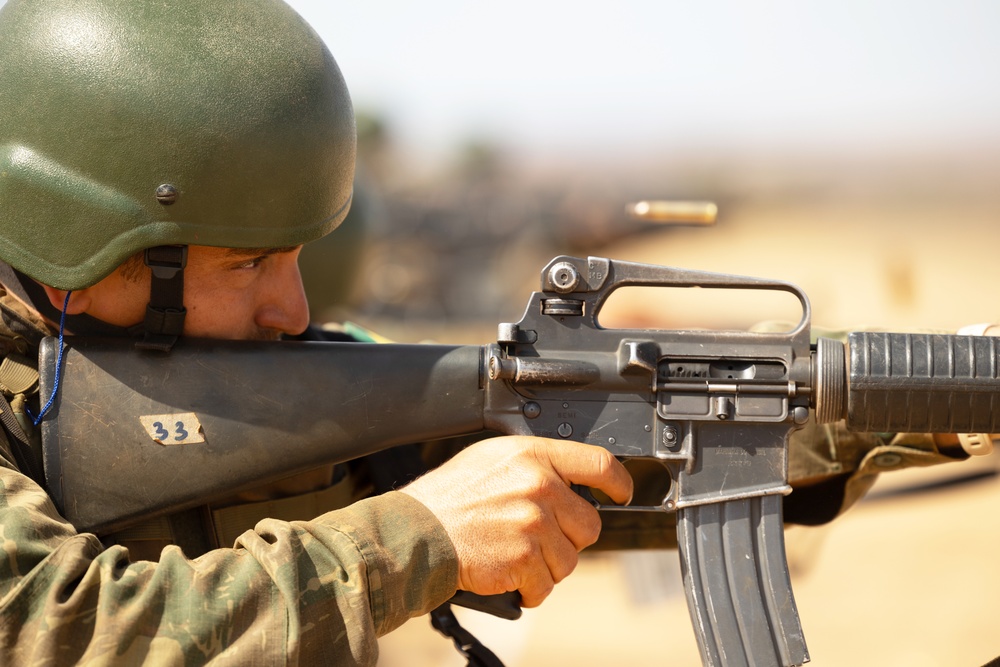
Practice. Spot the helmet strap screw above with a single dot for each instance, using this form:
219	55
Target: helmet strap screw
166	194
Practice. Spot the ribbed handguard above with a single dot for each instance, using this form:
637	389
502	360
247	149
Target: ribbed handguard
923	383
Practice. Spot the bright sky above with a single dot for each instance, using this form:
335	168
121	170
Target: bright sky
643	74
555	76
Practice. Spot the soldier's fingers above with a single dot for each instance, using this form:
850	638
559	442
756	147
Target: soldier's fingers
578	520
590	466
535	586
561	557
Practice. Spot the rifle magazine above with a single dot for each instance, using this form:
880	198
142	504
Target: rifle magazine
737	583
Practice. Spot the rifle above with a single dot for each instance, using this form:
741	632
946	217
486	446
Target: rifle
134	434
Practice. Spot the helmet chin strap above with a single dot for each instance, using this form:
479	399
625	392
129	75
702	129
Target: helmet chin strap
165	311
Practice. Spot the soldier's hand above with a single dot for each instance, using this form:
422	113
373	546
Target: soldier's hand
507	506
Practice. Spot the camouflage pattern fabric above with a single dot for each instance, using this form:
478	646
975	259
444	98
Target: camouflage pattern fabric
287	593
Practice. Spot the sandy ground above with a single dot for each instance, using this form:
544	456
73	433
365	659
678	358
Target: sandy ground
908	578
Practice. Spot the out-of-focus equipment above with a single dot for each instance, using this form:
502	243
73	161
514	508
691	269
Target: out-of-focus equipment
674	212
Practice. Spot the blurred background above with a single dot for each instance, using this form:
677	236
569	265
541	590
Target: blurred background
840	140
853	148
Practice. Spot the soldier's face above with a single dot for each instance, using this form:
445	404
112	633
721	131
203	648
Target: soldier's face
228	293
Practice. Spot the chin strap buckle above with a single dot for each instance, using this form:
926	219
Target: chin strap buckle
165	312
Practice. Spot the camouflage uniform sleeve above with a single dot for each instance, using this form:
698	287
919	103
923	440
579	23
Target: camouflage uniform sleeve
832	468
315	592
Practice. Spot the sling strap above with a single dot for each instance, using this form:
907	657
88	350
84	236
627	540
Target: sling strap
443	620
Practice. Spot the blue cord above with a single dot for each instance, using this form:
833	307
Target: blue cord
55	385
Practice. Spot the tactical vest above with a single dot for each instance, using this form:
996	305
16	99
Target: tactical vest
20	442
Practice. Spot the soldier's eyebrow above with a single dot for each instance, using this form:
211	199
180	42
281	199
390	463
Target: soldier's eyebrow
258	252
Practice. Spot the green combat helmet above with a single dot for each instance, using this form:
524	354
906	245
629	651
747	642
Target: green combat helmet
125	126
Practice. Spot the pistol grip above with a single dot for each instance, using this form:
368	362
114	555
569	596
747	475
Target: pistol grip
504	605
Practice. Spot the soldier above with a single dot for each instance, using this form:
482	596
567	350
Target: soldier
161	165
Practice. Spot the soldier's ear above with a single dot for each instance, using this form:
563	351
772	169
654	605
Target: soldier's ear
79	300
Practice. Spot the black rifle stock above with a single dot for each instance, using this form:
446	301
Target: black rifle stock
133	434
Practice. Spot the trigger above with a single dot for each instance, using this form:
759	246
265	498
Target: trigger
585	493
